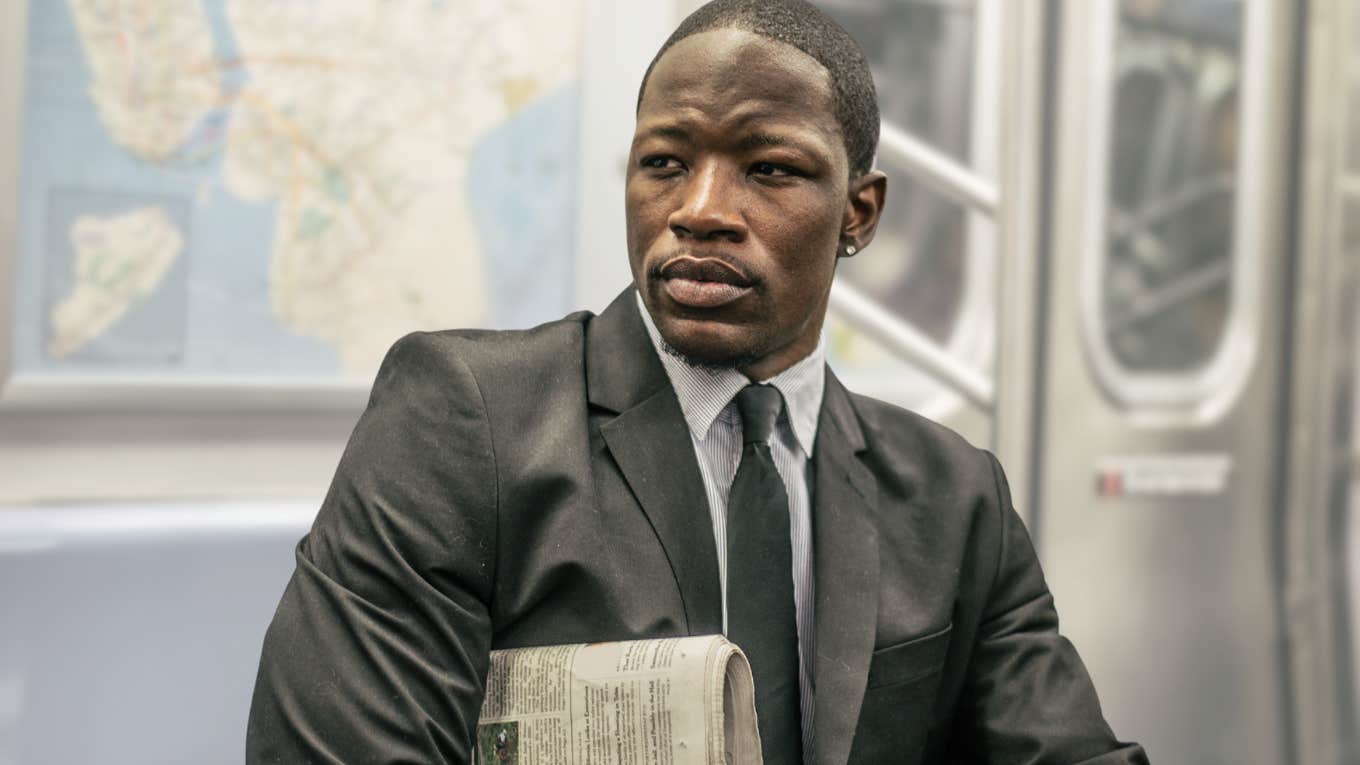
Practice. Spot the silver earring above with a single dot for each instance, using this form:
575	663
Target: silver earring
850	249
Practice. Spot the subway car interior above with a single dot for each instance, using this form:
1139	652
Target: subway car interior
1121	251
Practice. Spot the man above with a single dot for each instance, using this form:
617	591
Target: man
619	477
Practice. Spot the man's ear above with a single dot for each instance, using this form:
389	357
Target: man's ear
863	207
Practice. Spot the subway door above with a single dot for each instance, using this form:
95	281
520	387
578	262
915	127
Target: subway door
1160	398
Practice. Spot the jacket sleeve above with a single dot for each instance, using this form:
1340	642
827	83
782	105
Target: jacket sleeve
1027	697
378	651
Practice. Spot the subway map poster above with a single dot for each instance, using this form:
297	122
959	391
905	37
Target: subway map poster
278	189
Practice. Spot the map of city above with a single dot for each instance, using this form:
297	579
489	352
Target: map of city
269	188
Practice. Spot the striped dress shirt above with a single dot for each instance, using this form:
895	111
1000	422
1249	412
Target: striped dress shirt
706	399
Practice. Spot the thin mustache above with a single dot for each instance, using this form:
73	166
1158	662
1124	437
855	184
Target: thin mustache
658	270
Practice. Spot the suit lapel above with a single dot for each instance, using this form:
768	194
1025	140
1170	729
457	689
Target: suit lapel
845	550
650	444
652	448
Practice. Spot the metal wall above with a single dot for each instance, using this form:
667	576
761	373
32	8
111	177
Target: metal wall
1159	432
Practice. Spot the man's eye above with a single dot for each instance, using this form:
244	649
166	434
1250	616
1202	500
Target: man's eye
771	168
661	162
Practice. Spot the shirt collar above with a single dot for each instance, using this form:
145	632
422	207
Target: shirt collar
704	393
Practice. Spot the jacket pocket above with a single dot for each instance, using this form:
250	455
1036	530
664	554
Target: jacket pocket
899	701
912	660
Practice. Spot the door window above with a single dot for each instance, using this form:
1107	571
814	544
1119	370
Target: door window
1169	285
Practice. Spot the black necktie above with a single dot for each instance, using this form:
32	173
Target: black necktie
760	609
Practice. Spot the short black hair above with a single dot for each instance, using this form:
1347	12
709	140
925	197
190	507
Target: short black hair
805	27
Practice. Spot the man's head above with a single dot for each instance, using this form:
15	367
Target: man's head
749	176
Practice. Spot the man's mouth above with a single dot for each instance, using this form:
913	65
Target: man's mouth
703	282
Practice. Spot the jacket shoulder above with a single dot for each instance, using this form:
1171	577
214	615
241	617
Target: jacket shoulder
530	388
486	365
920	450
491	351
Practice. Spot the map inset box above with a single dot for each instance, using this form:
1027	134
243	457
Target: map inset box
115	280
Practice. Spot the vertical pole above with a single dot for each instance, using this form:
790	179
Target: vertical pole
1315	462
1022	39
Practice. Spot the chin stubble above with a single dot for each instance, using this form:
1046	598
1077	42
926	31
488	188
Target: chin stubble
710	365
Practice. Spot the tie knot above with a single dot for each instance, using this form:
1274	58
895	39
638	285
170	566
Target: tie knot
759	406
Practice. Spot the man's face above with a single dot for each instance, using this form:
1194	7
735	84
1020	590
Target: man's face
737	197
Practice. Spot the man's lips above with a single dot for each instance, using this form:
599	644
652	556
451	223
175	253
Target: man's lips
703	282
703	270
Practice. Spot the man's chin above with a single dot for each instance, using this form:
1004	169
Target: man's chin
707	344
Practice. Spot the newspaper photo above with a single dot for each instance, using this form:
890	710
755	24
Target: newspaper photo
673	701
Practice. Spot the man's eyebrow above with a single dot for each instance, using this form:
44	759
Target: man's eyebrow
763	140
673	132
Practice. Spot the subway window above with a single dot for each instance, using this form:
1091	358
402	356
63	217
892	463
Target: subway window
1173	162
1170	287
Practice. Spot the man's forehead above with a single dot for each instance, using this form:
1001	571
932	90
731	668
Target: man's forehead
741	79
737	64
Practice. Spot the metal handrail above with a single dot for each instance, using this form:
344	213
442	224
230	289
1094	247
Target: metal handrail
865	314
1157	301
1124	226
940	171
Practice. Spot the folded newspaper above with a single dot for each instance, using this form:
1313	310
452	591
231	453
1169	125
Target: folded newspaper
673	701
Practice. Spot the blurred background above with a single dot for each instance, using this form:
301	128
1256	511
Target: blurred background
1120	250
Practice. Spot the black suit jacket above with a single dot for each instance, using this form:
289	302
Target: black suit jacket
508	489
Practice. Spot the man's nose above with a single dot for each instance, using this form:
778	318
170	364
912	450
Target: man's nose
710	207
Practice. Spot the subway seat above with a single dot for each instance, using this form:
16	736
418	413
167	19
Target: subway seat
130	632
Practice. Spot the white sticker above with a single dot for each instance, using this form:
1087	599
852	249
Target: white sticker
1163	475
